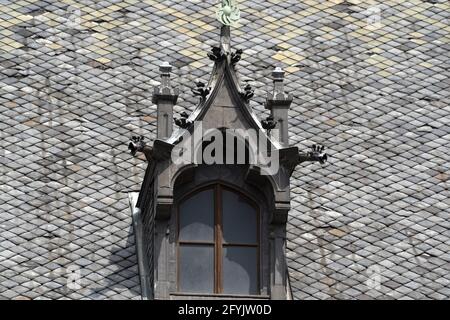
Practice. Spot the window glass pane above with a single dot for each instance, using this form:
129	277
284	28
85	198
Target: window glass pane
239	219
240	270
196	269
197	217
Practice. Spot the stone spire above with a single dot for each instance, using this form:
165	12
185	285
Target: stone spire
225	39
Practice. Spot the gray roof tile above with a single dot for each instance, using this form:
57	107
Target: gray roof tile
375	95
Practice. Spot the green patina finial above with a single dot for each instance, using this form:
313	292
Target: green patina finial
228	13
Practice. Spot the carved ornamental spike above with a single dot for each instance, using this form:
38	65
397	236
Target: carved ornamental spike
216	54
236	57
201	90
248	93
269	124
183	122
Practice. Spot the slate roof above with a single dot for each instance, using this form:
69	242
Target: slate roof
76	79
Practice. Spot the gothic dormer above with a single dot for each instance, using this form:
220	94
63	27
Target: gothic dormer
210	220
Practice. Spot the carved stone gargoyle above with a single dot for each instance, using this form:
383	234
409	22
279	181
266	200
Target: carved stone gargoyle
269	124
248	93
183	122
201	90
290	157
236	57
315	154
216	54
136	144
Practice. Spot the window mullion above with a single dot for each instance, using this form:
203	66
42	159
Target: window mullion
218	240
216	231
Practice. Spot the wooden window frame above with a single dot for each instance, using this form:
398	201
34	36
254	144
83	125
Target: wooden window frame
218	242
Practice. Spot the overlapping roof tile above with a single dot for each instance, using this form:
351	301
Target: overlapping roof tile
370	82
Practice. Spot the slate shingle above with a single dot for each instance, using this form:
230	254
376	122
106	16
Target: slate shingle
76	83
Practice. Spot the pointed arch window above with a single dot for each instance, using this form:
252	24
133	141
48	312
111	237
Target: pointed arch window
218	242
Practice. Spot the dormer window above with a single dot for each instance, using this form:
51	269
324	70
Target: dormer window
217	228
218	242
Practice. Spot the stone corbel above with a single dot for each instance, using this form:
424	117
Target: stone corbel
161	150
280	212
289	158
163	208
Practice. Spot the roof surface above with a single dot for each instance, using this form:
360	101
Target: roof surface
370	81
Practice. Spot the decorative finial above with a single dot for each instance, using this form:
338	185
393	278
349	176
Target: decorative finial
278	74
165	89
165	68
278	85
228	13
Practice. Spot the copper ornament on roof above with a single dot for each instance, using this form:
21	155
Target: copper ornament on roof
228	13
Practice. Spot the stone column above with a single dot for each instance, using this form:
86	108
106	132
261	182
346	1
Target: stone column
278	102
162	280
165	97
278	262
